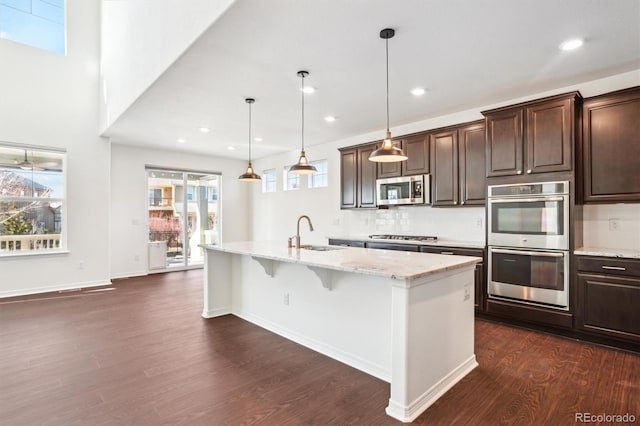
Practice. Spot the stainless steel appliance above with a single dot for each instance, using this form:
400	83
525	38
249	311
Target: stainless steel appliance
528	238
403	190
403	237
534	215
530	276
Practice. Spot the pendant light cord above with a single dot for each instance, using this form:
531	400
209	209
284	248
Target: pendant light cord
249	132
302	90
387	56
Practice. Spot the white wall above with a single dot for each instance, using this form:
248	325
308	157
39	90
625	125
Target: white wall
276	213
52	100
141	39
129	236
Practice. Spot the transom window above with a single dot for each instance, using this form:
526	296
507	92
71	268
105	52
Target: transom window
291	181
319	179
269	180
37	23
32	200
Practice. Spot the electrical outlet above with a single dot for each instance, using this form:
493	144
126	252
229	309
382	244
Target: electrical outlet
336	221
613	224
285	299
81	265
479	223
136	258
467	292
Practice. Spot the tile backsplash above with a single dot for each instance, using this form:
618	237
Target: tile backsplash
459	224
612	226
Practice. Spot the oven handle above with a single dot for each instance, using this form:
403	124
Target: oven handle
525	200
528	253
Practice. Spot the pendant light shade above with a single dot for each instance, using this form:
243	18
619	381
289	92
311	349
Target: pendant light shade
249	175
387	153
302	167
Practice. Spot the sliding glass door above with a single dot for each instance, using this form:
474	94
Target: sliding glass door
183	213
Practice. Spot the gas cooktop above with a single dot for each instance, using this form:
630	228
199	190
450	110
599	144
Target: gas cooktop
404	237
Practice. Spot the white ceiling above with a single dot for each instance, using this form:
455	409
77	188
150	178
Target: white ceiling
465	53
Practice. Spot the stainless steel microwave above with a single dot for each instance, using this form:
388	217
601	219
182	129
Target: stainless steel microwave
403	190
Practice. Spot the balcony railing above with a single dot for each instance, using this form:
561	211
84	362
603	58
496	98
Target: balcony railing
29	242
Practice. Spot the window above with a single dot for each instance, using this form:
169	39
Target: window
290	181
269	180
37	23
319	179
32	200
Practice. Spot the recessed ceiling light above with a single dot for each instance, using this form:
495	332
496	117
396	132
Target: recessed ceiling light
308	89
571	44
204	129
231	148
258	139
418	91
181	140
330	118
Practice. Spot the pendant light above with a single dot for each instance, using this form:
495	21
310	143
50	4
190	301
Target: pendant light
302	167
388	152
249	175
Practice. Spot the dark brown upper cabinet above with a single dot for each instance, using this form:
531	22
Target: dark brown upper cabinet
348	178
611	147
444	179
458	165
357	177
416	147
471	164
367	173
391	169
533	137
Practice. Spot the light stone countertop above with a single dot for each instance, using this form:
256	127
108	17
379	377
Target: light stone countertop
384	263
607	252
437	243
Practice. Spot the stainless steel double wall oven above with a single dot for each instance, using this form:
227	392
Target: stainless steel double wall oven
528	238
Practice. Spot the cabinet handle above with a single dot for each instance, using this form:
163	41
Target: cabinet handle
455	202
462	202
446	252
615	268
519	172
529	171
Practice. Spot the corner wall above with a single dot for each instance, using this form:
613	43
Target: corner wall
129	210
52	100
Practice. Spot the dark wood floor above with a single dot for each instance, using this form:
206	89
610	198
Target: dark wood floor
140	354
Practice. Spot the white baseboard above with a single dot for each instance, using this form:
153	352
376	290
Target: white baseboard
129	275
328	350
58	287
412	411
212	313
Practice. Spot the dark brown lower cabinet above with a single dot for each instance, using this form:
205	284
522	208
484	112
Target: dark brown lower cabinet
609	297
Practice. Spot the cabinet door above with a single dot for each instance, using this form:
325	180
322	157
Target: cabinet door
609	305
417	149
348	178
550	136
473	188
392	169
504	143
366	193
444	168
611	145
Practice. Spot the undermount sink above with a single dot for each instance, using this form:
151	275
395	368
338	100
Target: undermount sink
322	248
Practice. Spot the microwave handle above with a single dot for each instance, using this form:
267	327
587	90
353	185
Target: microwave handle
528	253
525	200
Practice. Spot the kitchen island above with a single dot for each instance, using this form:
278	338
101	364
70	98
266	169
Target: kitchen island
406	318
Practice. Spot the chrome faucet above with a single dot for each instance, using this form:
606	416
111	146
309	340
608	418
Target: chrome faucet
297	236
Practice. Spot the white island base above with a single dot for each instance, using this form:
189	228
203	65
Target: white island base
406	318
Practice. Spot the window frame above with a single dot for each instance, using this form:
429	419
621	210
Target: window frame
59	217
312	178
266	181
287	177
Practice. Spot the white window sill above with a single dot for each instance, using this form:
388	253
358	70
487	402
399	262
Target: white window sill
30	253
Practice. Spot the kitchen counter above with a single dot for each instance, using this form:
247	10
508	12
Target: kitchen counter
607	252
380	311
439	242
383	263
